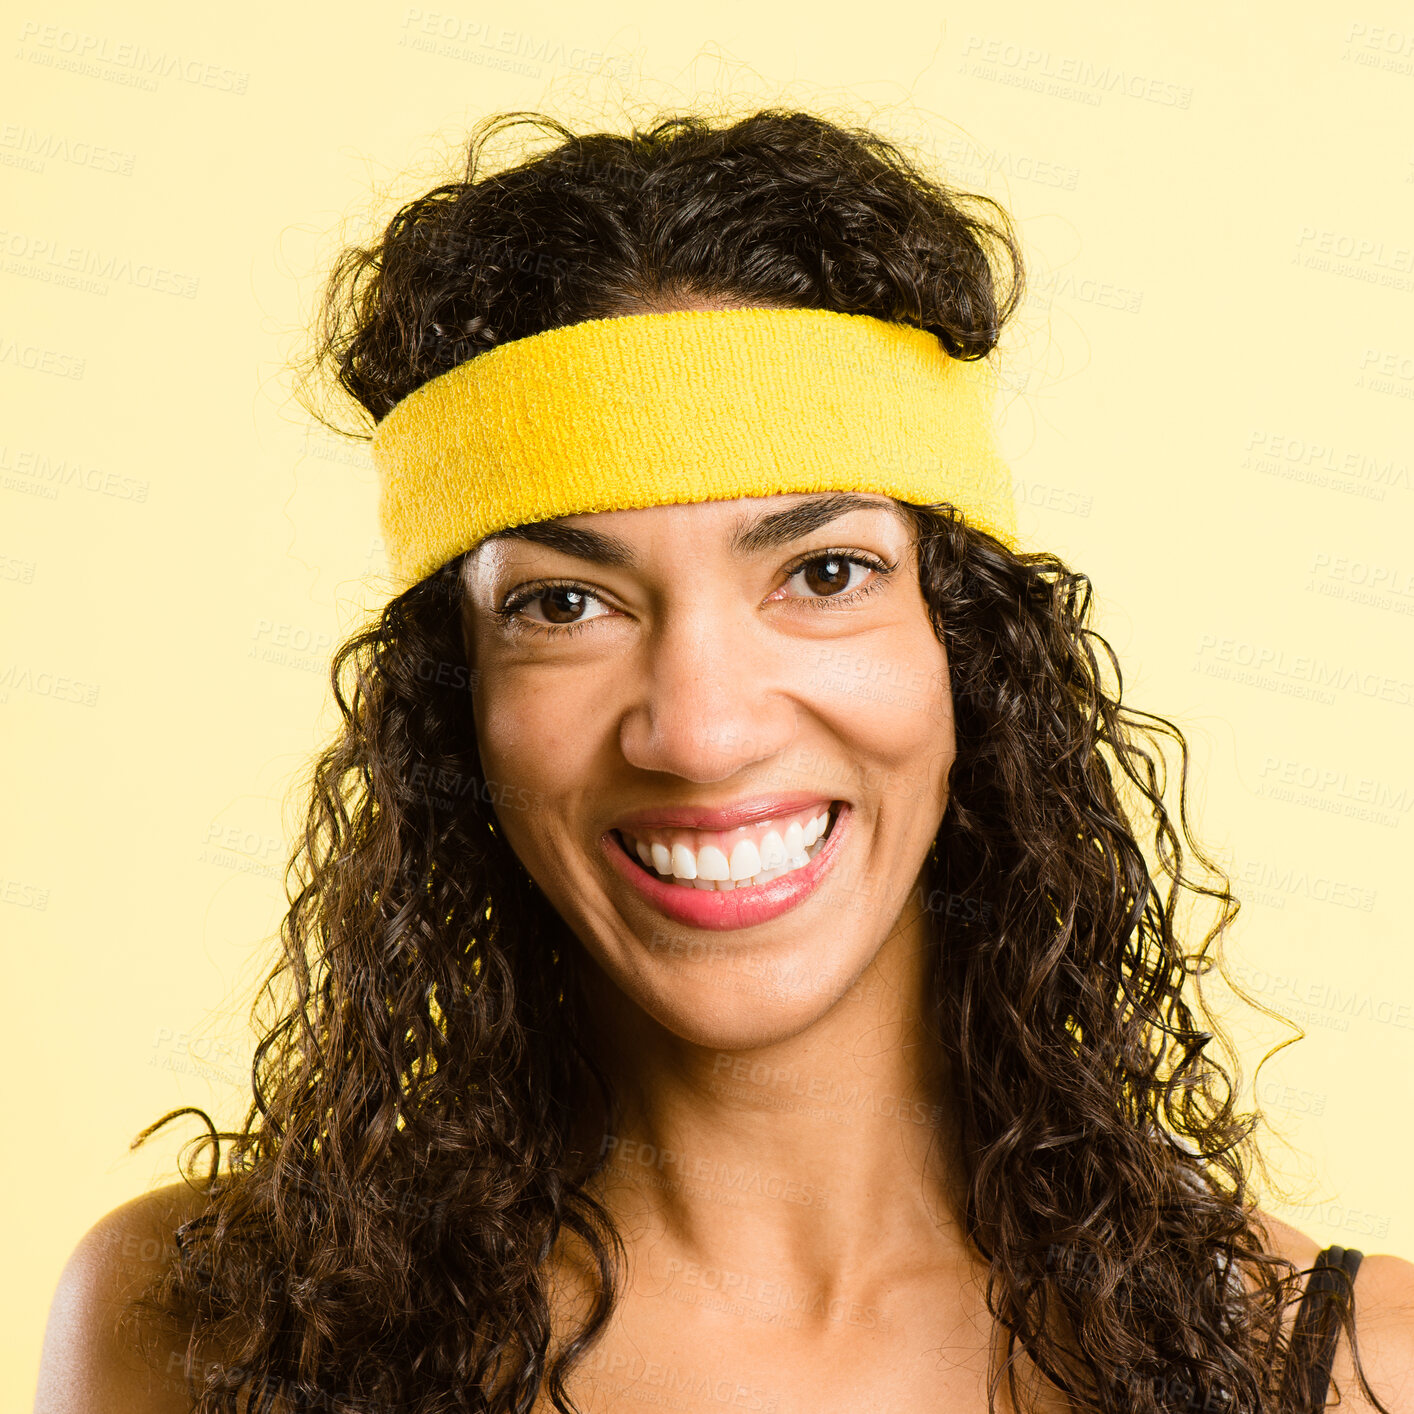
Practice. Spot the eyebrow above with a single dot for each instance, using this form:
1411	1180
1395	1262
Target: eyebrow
766	531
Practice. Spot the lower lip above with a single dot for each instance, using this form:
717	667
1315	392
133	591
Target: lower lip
736	908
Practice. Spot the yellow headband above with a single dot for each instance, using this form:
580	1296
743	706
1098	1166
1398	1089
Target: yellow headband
690	405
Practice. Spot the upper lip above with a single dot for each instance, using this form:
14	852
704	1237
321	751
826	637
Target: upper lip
722	817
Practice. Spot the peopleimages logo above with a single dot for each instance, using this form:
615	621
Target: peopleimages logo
734	1179
35	357
1065	76
40	472
57	262
1262	665
120	61
25	147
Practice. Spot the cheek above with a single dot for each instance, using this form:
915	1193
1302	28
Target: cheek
527	737
892	704
538	741
520	762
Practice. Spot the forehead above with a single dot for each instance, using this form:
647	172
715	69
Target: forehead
752	524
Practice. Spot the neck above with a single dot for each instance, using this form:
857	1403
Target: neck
819	1155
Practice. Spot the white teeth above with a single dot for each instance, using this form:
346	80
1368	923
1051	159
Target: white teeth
773	851
712	863
749	865
745	860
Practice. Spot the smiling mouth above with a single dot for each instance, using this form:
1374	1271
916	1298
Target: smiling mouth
732	861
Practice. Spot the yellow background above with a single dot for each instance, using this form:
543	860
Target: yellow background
1210	404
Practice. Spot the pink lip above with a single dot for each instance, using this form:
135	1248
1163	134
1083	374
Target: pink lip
693	817
737	908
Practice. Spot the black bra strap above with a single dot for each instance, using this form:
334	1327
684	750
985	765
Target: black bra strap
1317	1327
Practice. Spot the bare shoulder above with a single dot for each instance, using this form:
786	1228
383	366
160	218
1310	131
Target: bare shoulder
1289	1242
1384	1322
1384	1327
89	1361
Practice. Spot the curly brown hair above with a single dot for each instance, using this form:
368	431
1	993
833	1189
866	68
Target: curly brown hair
407	1165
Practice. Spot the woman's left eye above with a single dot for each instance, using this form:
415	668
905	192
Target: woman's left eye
836	575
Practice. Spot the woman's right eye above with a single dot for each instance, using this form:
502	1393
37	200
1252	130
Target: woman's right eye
561	604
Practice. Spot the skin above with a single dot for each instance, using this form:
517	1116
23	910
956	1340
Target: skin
781	1180
86	1368
697	679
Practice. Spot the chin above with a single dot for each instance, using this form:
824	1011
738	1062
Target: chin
714	991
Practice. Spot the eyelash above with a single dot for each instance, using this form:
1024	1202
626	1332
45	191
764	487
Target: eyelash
508	614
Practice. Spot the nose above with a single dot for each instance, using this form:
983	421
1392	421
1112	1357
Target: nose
713	699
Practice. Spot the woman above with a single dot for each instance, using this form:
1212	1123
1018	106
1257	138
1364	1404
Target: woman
725	971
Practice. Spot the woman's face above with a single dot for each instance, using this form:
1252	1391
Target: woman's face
701	684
